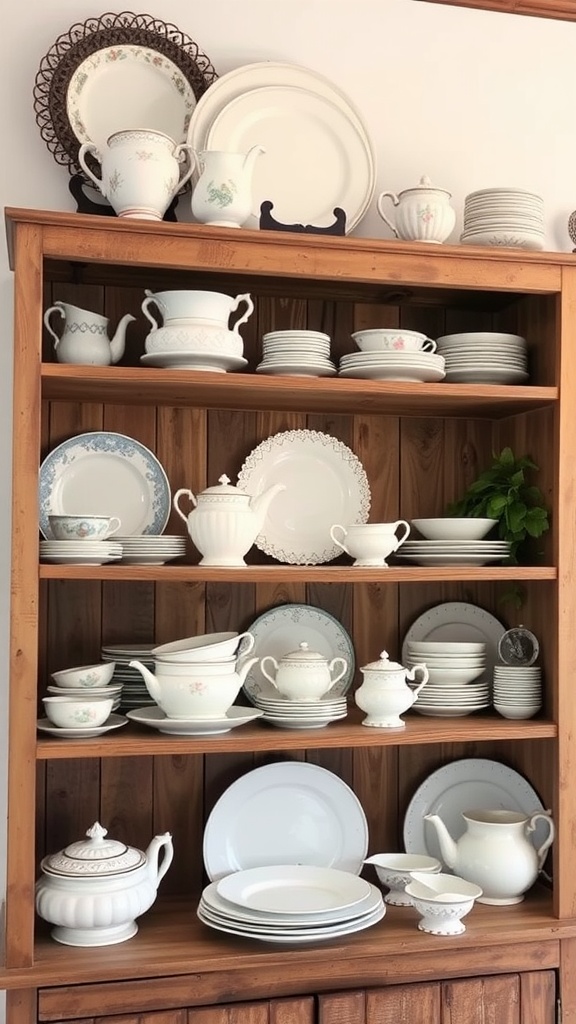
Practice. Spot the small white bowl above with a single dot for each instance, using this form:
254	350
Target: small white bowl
394	871
73	713
454	676
207	647
454	528
442	900
85	676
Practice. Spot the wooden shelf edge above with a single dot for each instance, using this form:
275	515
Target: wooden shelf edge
137	741
175	573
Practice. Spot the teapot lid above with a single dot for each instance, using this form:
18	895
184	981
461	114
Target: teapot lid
93	857
303	654
224	489
383	665
425	184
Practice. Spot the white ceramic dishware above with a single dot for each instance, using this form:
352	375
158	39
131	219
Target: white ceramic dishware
194	691
83	527
303	675
454	527
423	213
370	543
385	694
59	732
77	713
460	622
85	676
394	871
442	900
393	339
155	718
197	306
84	337
205	647
140	171
222	194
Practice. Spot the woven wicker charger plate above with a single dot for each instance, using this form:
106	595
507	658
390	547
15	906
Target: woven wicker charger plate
82	40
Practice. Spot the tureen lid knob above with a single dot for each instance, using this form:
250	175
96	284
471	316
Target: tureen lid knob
224	480
96	832
425	181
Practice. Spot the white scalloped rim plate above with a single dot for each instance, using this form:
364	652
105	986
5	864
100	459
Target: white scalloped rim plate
325	484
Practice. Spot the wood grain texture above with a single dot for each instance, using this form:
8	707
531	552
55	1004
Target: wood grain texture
404	1004
563	10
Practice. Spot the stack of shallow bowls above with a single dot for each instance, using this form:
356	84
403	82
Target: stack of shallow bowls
504	217
298	352
517	691
484	357
451	689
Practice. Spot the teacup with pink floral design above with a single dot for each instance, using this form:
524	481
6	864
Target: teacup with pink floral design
393	339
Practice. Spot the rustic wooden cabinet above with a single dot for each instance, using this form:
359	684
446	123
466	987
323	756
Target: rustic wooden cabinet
420	445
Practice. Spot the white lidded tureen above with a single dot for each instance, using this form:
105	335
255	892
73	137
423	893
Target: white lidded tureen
303	675
385	694
93	890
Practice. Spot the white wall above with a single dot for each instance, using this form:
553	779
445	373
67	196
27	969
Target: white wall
473	99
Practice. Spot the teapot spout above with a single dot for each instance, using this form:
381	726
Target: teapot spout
156	873
260	504
148	677
448	847
118	342
243	670
251	156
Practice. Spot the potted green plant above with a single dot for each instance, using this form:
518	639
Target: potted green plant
504	492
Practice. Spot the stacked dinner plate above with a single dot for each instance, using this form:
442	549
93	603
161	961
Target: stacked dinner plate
504	216
300	714
517	690
293	903
302	353
484	357
82	552
152	549
419	366
134	692
454	552
454	686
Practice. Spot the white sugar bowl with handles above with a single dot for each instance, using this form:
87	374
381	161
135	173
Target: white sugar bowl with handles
384	694
423	213
93	890
303	675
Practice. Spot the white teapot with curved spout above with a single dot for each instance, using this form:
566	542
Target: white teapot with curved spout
225	521
496	851
84	337
385	694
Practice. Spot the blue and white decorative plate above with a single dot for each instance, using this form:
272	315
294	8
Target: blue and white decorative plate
103	473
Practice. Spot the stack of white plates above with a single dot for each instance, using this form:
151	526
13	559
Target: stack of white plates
293	903
454	552
420	366
134	692
484	357
81	552
454	687
299	714
149	549
504	216
112	690
299	352
517	691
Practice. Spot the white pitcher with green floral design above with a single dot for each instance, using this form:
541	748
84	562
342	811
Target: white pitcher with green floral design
223	193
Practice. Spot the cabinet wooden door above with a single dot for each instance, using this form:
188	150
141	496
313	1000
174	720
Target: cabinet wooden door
528	998
274	1011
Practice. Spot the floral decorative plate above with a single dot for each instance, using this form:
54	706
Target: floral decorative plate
162	73
325	484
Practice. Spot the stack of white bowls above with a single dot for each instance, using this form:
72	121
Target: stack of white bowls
297	352
517	690
504	217
484	357
454	686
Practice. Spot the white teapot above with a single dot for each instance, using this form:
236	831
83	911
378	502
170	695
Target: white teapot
385	694
423	214
93	890
225	521
303	675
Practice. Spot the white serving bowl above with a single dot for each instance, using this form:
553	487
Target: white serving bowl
85	676
207	647
453	528
447	647
454	676
76	713
394	870
442	900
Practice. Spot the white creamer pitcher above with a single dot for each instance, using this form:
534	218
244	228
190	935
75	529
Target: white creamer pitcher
223	193
84	337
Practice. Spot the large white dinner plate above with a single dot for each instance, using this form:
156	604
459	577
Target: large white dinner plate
325	483
122	87
105	474
470	784
315	158
281	630
293	889
295	936
457	621
211	900
266	74
286	813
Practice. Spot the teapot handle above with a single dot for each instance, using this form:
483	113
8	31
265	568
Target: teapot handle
331	666
268	657
179	153
90	147
543	849
379	207
47	315
144	307
339	543
405	534
247	312
412	676
183	490
167	850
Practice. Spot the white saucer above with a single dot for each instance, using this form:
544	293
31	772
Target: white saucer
194	361
113	722
376	371
156	718
297	369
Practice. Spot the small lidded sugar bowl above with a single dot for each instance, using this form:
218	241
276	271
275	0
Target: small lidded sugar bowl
303	675
423	214
385	694
94	889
